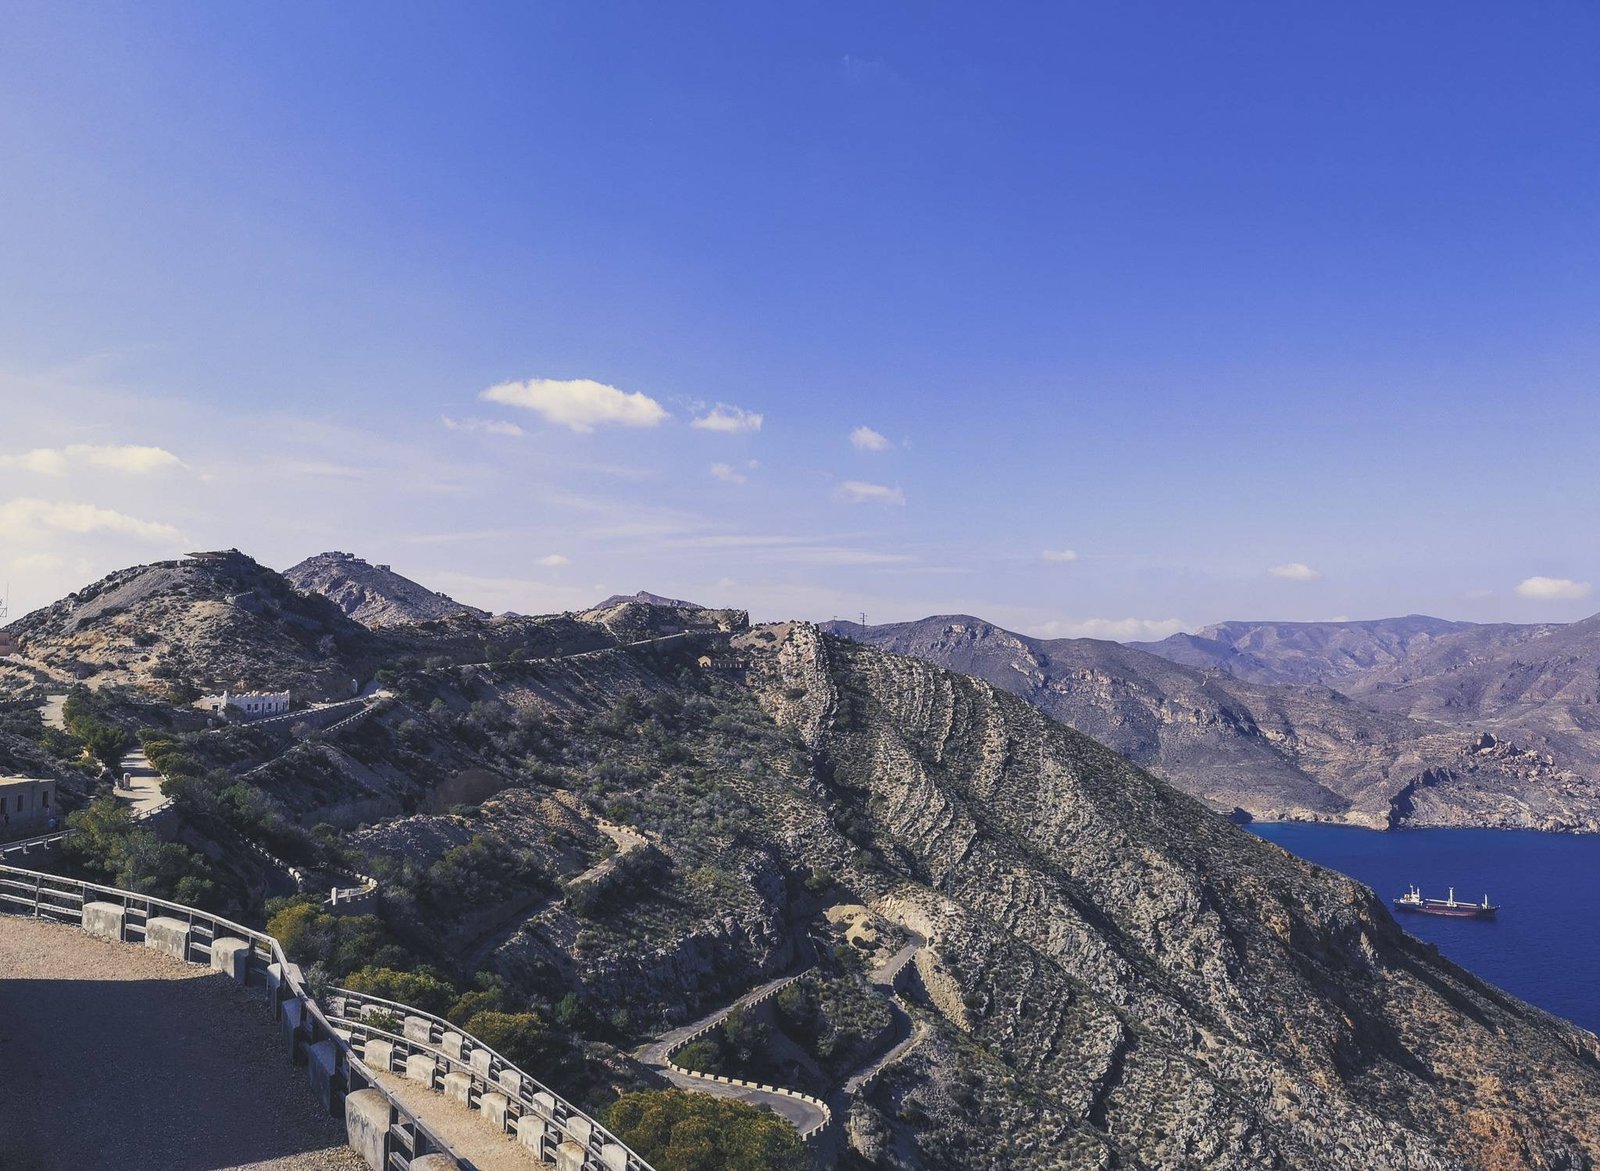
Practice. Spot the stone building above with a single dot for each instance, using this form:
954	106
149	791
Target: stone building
252	705
26	806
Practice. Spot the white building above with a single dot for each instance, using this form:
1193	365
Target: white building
26	806
253	705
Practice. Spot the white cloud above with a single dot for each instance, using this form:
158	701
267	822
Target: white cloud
728	475
119	457
1059	555
482	426
859	492
723	417
555	560
1553	589
1295	571
24	517
866	439
579	403
1116	629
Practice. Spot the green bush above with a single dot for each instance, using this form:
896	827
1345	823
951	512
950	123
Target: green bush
680	1131
522	1038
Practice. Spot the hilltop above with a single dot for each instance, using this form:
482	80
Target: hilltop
373	595
1378	752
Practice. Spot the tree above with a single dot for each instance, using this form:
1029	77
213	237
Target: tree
680	1131
520	1037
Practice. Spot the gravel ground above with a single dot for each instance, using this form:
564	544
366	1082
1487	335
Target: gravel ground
115	1056
466	1131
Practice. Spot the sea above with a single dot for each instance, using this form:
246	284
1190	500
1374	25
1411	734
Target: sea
1543	946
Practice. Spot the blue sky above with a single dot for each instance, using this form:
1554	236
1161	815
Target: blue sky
1153	314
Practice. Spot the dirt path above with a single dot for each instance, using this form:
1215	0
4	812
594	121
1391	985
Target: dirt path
469	1134
114	1056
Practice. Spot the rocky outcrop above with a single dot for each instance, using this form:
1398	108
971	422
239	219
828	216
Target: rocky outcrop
373	595
1143	983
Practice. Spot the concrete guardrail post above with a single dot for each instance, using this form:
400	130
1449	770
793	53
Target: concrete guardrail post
421	1067
107	920
378	1054
231	956
170	937
366	1127
458	1087
321	1070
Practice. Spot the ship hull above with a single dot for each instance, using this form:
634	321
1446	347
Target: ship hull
1467	912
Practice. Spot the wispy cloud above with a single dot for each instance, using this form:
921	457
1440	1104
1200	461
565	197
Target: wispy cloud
1115	629
25	517
1553	589
830	555
482	426
726	418
554	560
1295	571
860	492
864	438
118	457
1060	555
728	474
580	404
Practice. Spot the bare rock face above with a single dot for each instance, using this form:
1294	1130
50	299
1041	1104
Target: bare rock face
1383	754
373	595
1143	983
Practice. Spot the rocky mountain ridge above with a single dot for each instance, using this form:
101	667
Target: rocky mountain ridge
1377	755
373	595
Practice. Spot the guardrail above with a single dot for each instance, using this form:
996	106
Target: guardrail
25	846
386	1135
439	1054
806	1135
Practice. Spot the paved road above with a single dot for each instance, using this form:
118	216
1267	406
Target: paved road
114	1056
802	1114
144	793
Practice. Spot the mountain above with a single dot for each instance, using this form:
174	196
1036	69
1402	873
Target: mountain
1104	973
373	595
1279	750
646	598
210	621
1322	652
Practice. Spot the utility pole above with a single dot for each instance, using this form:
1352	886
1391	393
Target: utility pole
863	619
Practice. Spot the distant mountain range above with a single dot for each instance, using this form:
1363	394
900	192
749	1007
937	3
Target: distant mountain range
1396	722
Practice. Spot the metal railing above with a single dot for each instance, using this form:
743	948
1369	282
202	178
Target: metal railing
488	1071
52	897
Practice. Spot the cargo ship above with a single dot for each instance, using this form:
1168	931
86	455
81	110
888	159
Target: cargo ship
1412	900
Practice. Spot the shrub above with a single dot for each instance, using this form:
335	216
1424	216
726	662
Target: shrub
680	1131
522	1038
418	989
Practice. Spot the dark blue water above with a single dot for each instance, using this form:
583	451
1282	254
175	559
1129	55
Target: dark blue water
1545	944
